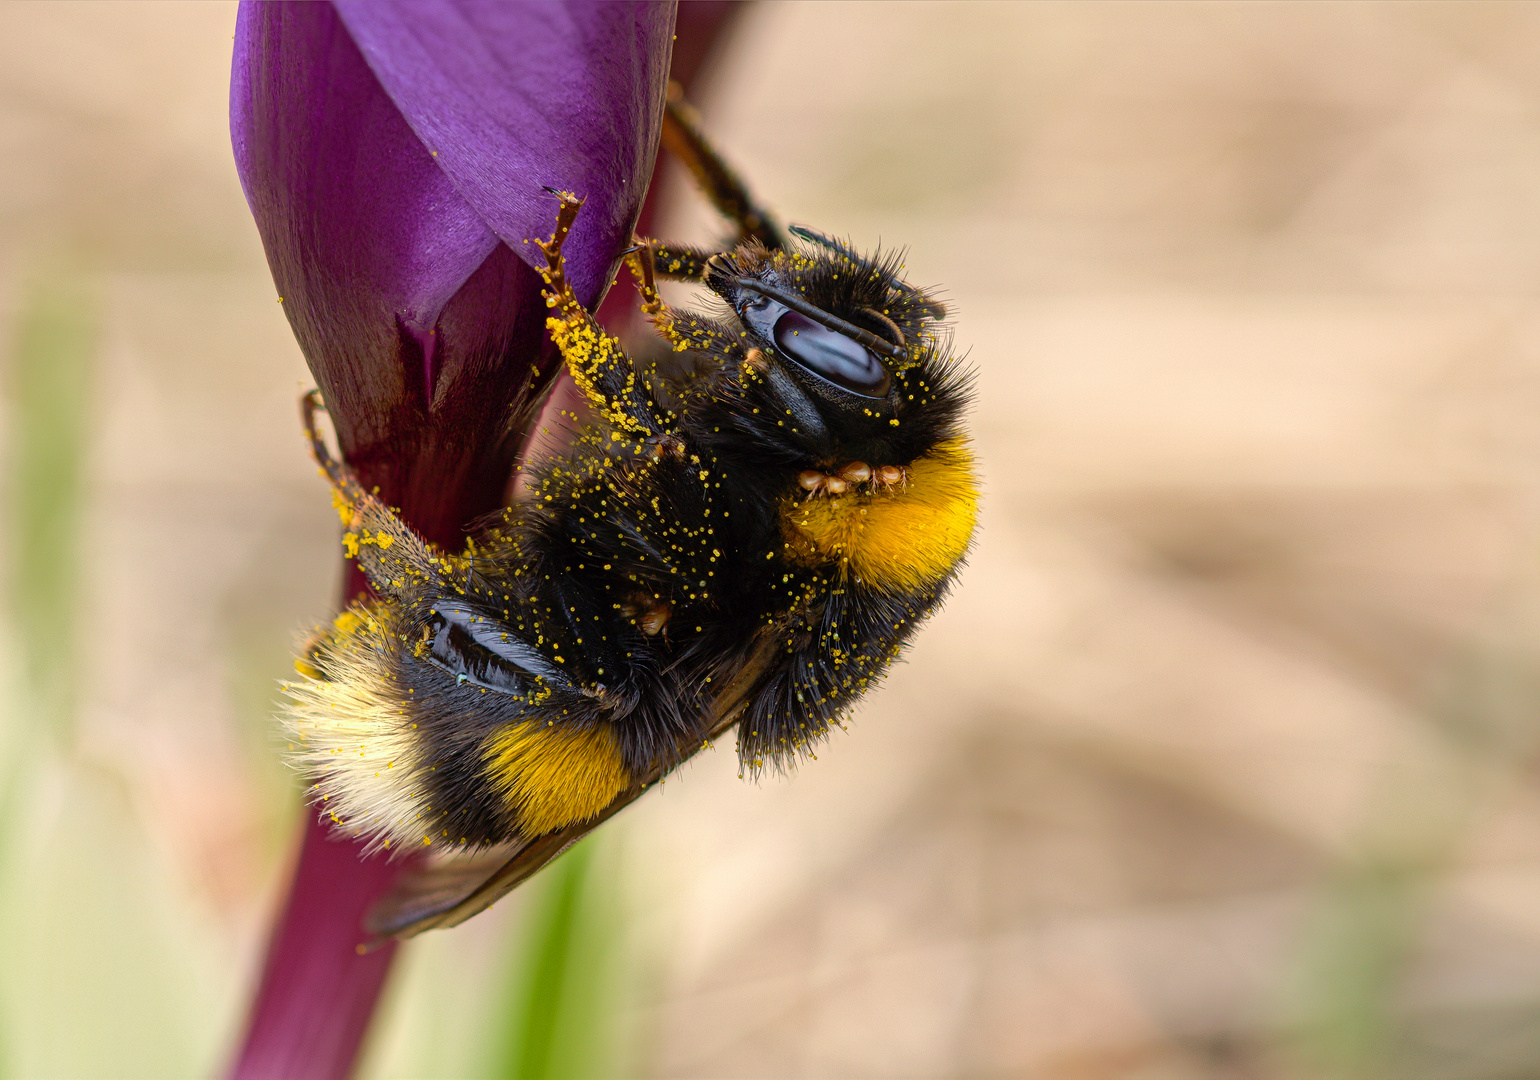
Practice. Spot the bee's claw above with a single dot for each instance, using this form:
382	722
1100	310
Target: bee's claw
855	474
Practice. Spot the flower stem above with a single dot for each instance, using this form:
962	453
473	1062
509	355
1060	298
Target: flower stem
318	991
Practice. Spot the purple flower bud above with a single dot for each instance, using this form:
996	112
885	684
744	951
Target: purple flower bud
394	156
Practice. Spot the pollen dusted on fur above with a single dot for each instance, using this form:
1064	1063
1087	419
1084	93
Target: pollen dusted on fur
348	723
749	530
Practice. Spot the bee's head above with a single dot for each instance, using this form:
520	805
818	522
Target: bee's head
846	360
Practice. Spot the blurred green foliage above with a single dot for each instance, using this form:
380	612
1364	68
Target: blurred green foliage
104	977
46	386
49	382
561	1017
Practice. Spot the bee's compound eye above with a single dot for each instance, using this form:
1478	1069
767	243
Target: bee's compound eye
831	354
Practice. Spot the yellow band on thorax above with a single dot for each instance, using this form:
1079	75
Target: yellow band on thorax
905	539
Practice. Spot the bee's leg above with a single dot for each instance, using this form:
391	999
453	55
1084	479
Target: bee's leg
397	561
835	651
677	262
344	484
682	329
682	137
597	361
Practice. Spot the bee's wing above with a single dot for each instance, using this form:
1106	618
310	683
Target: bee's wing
449	893
428	892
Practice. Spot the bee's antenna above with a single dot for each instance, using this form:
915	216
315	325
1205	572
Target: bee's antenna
802	232
898	335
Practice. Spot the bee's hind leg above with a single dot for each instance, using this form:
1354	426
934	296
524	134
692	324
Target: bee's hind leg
683	138
393	556
342	481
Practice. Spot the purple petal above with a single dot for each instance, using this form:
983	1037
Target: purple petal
422	327
411	295
365	235
567	95
373	242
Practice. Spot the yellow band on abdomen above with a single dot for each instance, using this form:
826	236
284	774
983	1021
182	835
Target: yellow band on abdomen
554	776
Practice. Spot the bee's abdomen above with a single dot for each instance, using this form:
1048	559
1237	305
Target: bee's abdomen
551	776
406	754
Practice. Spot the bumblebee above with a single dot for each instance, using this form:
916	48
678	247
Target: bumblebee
749	541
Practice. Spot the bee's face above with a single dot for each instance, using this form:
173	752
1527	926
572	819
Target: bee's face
841	350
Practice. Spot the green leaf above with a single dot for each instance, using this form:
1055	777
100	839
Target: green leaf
564	995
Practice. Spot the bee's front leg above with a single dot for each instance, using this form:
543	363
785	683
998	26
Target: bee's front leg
597	361
682	330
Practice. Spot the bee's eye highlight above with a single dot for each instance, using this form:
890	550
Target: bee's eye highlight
830	354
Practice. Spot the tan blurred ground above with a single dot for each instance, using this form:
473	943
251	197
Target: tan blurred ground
1220	764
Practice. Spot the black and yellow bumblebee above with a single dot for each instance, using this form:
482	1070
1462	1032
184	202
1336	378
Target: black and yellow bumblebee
750	540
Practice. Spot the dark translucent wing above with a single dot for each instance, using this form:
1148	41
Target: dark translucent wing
448	894
423	894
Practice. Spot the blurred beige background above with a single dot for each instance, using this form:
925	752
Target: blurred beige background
1221	763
